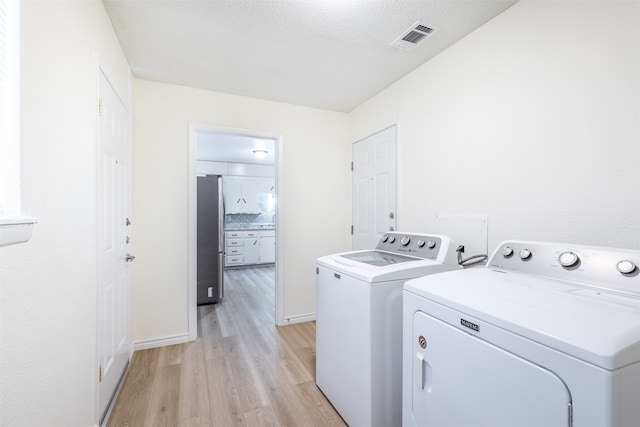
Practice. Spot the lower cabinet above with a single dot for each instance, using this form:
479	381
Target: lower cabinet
232	249
250	247
268	247
251	250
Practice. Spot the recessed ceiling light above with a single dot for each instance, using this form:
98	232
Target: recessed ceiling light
261	154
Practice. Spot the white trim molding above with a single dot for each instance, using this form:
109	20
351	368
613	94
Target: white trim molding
160	342
301	318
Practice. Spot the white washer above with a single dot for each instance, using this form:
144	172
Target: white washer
359	323
545	335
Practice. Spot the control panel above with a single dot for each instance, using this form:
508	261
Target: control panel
417	245
604	268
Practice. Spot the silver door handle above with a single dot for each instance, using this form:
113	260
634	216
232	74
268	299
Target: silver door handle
129	258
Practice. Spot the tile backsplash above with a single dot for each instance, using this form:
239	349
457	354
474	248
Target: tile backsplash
245	220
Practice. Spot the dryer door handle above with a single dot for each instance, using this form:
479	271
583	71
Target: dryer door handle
422	373
418	371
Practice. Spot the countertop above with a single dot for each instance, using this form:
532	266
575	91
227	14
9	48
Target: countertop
236	227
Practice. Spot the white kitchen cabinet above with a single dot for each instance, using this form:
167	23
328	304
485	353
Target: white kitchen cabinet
266	195
241	195
232	195
250	247
232	260
251	250
242	247
233	249
267	185
267	247
250	197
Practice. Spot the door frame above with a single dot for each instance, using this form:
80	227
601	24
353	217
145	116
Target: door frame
194	129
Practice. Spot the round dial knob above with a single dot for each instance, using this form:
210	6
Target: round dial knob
626	267
392	239
568	259
431	244
405	240
421	243
385	238
507	251
524	254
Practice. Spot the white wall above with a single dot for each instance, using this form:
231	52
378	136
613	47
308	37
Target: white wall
313	197
204	167
48	357
533	119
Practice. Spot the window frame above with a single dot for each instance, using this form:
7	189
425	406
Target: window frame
14	226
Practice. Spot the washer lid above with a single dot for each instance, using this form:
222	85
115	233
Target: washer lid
370	272
378	258
596	326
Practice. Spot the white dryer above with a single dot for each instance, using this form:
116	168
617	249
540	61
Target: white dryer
545	335
359	323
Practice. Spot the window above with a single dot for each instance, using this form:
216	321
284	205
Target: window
14	227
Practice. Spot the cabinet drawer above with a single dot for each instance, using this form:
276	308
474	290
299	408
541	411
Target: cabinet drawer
233	260
230	243
241	234
234	250
233	234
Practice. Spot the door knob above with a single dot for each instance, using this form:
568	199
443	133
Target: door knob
129	258
391	215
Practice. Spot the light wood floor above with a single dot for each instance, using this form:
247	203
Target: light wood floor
241	371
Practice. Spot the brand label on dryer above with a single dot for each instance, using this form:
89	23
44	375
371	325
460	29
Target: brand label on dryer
470	325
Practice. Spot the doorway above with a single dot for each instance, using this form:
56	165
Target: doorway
238	140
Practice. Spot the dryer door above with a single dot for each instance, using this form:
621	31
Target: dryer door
461	380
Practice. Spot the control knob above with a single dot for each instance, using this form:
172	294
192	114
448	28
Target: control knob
392	239
385	238
507	251
626	267
405	240
524	254
421	243
568	259
431	244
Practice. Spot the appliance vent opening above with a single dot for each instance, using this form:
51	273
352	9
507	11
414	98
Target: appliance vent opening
415	35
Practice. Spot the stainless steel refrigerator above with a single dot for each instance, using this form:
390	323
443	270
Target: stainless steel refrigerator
210	275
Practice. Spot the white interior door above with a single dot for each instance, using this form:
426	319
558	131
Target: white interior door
374	188
114	330
461	380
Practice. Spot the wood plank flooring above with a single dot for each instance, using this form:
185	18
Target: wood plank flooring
241	371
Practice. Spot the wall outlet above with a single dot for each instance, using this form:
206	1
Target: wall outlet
210	292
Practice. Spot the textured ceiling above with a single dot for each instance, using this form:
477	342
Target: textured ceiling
330	54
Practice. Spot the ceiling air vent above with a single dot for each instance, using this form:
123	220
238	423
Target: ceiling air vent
413	36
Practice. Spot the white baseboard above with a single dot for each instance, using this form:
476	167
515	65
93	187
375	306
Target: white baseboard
161	342
298	319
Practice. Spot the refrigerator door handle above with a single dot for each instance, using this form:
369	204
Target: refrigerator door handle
220	217
221	275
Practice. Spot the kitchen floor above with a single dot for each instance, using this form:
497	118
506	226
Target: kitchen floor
241	371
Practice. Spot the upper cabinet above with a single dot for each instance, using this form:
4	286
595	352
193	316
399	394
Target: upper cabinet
267	195
248	195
